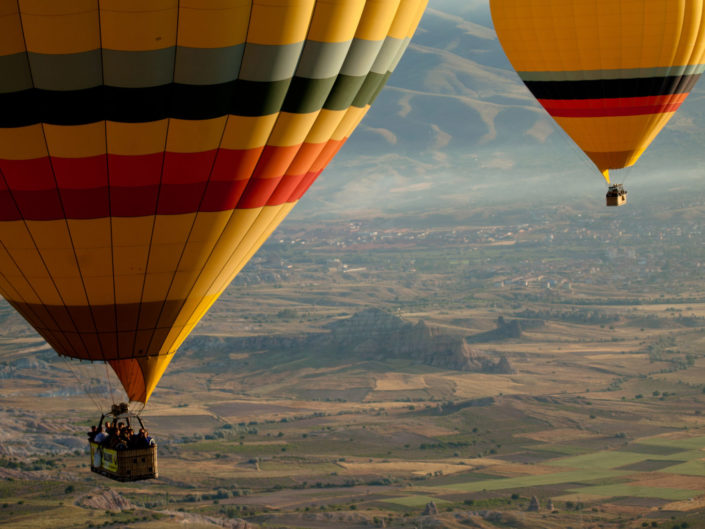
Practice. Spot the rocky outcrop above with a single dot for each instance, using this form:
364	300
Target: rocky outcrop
534	504
431	509
187	519
549	505
371	334
105	500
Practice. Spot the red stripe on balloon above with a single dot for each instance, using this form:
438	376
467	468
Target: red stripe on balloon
222	196
622	106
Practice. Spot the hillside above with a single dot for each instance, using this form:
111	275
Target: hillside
368	335
455	126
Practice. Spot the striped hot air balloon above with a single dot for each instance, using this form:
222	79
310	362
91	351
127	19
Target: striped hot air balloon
610	72
149	147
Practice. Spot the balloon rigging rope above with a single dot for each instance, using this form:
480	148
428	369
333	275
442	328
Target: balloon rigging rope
80	383
110	386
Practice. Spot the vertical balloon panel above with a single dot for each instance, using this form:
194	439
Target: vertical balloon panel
149	147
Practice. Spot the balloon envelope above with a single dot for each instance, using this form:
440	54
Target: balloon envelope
611	73
149	147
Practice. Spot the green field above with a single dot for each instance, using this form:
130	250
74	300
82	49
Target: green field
604	460
414	501
580	476
625	490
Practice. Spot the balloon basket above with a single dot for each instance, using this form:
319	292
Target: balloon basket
132	464
616	196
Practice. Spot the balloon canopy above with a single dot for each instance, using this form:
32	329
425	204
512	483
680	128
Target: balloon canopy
610	72
149	147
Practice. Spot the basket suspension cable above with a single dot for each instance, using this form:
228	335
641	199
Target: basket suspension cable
78	379
110	386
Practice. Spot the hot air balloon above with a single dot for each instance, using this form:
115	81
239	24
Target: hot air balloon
149	147
611	73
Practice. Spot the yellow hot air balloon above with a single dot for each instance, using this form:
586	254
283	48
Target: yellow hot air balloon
149	147
610	72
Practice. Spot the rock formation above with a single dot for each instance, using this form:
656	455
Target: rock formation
371	334
105	500
431	509
534	504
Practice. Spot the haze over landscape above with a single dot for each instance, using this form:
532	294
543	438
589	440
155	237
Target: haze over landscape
456	126
449	331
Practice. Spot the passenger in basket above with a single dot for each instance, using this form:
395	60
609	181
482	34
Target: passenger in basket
92	433
100	435
144	440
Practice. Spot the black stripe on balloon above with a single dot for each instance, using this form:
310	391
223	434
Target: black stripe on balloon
190	102
140	105
612	88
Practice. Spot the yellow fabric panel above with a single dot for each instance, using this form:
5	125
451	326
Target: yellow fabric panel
196	307
325	125
177	336
213	23
14	234
557	35
164	258
376	19
131	237
76	141
92	244
408	16
99	290
238	225
70	288
201	242
208	226
133	139
90	233
131	260
613	133
11	38
19	259
195	135
153	368
60	26
128	288
22	143
260	229
30	262
43	286
53	234
335	20
138	25
57	252
240	260
421	9
132	231
206	232
172	229
244	132
291	129
279	21
156	286
170	236
7	289
353	116
14	275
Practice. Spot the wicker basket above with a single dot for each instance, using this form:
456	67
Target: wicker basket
125	465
